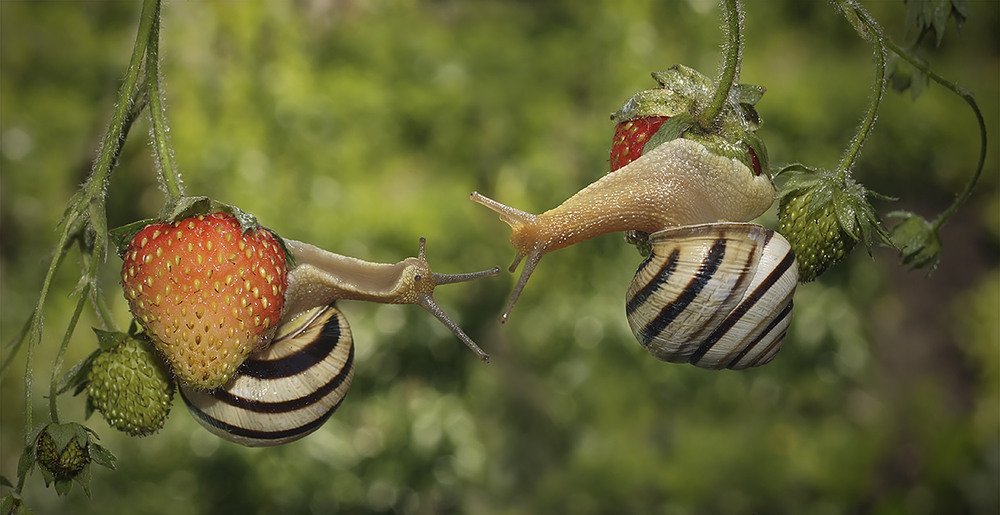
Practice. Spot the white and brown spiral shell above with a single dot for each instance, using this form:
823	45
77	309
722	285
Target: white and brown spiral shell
715	295
286	391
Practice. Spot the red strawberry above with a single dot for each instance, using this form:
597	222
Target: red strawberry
630	138
207	292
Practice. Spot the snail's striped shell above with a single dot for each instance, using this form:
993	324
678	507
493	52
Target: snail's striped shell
286	391
714	295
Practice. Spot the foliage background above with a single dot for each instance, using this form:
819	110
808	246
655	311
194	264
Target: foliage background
360	125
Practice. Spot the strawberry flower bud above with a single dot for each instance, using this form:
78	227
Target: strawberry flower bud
917	240
64	453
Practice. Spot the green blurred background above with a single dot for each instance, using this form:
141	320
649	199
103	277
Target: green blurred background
361	125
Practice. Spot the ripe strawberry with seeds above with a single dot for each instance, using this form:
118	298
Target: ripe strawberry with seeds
631	137
207	291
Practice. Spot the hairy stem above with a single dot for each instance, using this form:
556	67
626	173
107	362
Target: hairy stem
969	99
90	199
169	177
861	22
733	15
57	365
869	28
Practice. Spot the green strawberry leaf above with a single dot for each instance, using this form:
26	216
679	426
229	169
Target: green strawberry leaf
83	478
108	340
27	459
77	376
102	456
121	236
64	485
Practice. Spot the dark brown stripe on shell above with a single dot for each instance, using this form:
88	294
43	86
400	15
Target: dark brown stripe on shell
297	362
672	310
785	313
659	279
262	435
291	404
737	314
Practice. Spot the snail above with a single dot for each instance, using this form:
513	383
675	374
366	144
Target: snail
289	389
715	291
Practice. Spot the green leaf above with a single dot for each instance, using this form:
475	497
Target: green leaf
99	221
83	479
26	461
671	129
11	504
63	485
108	340
77	376
121	236
62	434
102	456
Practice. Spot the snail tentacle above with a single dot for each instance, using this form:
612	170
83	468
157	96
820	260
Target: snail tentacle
322	277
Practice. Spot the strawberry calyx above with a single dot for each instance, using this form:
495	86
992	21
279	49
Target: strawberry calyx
181	208
670	111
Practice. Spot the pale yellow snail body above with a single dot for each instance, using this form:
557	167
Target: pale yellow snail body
677	183
712	293
289	389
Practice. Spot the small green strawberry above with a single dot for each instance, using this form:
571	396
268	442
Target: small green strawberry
824	218
129	384
208	290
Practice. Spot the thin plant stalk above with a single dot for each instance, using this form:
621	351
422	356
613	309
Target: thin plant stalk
733	48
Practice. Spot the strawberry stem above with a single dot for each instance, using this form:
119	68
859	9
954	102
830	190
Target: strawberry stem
862	22
733	18
870	29
85	212
57	366
969	99
168	175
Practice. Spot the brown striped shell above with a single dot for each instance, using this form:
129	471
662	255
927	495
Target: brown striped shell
715	295
286	391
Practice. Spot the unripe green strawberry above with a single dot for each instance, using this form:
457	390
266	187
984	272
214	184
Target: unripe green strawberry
815	236
62	463
207	292
823	218
131	387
